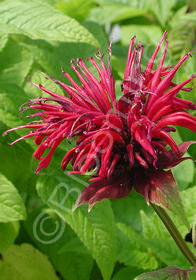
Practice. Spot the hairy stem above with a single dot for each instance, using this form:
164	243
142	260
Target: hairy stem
174	232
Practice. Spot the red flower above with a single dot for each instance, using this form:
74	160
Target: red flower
121	144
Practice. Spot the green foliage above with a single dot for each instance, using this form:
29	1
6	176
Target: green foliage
112	13
11	205
8	233
56	239
118	239
132	250
26	262
77	9
47	23
95	229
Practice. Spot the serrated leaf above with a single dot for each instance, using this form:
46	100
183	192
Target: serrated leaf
112	13
96	229
26	263
78	263
8	233
168	273
181	35
133	3
132	250
158	239
161	9
77	9
189	201
99	33
52	59
11	204
15	64
46	23
127	210
56	239
11	98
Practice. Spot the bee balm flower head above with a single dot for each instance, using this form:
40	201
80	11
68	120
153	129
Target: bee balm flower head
125	143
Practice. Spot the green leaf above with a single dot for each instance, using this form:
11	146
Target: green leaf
3	41
149	35
133	3
19	155
16	63
78	263
112	13
127	210
95	229
161	9
192	276
168	273
132	250
99	33
181	35
194	234
157	238
8	233
56	239
11	98
46	23
127	273
26	263
77	9
183	172
51	59
189	202
11	205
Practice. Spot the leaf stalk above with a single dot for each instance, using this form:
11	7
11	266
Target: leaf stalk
175	234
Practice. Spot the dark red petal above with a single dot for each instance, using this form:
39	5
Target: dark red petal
105	188
141	183
162	186
163	135
171	159
164	192
130	154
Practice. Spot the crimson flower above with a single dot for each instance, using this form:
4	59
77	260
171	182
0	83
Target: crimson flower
121	144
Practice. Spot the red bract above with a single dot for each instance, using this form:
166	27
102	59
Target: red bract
121	144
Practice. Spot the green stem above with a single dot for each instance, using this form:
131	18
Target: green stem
174	232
